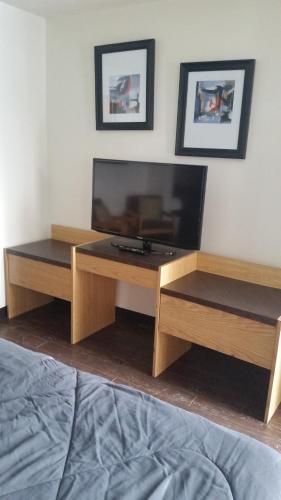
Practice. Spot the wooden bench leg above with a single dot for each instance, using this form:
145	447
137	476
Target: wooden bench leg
167	349
20	299
274	389
93	302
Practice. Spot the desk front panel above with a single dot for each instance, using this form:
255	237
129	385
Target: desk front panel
239	337
40	277
117	270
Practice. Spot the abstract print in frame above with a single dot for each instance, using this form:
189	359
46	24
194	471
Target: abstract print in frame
124	80
214	108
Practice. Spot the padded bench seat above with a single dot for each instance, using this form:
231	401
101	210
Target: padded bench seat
260	303
37	272
235	317
49	251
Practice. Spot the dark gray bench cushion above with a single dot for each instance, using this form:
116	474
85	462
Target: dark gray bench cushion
49	251
257	302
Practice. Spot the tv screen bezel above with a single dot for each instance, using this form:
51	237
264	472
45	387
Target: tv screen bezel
141	238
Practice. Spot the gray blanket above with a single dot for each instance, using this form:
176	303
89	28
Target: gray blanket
65	434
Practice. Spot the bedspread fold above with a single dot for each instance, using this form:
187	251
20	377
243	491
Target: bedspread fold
65	434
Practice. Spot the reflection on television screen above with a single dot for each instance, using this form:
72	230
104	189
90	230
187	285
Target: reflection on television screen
153	201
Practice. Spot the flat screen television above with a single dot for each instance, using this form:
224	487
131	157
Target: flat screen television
152	202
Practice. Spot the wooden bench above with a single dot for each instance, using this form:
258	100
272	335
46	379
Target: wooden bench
39	271
230	306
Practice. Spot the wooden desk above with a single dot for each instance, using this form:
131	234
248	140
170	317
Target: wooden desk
98	267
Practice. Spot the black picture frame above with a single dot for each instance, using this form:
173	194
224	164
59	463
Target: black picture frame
147	107
189	111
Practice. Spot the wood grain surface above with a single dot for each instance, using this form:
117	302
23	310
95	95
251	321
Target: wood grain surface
240	270
41	277
274	390
74	235
93	304
242	338
116	270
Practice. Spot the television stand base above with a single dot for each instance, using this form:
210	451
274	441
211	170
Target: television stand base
146	249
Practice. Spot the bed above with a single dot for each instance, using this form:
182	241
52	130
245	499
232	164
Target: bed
65	434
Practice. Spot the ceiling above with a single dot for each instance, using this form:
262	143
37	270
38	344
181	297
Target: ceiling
47	8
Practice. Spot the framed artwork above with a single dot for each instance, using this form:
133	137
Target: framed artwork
124	80
214	108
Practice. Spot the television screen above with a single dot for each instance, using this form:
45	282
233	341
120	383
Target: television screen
157	202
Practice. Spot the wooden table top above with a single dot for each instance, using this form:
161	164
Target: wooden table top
105	250
257	302
49	251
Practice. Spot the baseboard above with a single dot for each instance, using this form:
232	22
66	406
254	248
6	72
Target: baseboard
133	314
122	311
119	310
3	312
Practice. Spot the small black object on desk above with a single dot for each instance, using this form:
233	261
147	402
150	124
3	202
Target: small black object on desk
146	248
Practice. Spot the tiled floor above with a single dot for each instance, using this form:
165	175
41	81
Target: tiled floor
225	390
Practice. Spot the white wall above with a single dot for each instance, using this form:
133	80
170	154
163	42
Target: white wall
242	211
22	129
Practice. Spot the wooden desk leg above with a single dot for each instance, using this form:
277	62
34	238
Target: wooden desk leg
167	348
93	302
19	299
274	389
